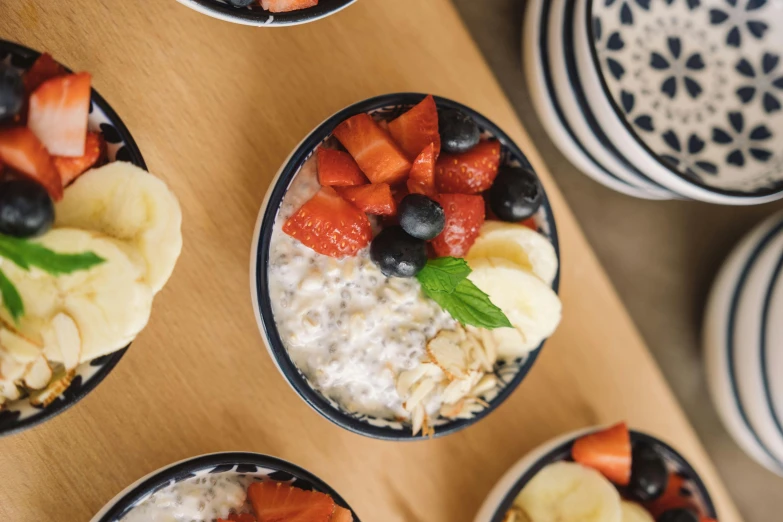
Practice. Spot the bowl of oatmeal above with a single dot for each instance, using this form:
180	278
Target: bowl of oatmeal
268	13
231	486
366	215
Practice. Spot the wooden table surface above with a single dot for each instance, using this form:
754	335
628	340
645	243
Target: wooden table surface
216	108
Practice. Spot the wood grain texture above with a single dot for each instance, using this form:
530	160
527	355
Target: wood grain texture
215	109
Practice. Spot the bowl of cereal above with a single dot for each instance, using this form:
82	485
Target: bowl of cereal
268	13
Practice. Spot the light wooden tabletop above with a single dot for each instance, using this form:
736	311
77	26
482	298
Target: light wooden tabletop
216	108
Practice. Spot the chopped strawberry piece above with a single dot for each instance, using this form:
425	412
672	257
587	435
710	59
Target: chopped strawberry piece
330	225
373	149
58	114
374	199
242	517
707	519
341	515
44	68
71	168
21	150
422	177
464	217
470	172
337	169
529	223
607	451
672	497
417	128
282	6
278	502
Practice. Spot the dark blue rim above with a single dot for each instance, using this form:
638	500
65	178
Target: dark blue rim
581	98
60	405
262	17
746	270
765	369
287	366
184	469
774	188
563	452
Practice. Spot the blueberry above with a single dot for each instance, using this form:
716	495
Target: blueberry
11	91
240	3
421	217
397	253
516	194
649	475
678	515
458	131
26	210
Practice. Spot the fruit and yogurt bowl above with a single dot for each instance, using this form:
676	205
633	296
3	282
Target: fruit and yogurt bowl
394	298
87	237
268	12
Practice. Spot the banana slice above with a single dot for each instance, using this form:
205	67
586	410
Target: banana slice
570	492
130	205
634	513
530	304
518	244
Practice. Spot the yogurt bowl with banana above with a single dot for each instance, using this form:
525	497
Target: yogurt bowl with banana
87	238
405	267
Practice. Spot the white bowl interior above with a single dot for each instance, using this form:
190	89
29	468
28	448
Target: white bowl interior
773	343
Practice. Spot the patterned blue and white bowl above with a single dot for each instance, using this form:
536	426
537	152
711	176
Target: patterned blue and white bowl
386	107
255	15
20	415
254	465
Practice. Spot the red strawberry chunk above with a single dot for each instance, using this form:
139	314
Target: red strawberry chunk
71	168
607	451
330	225
341	515
44	68
374	199
672	497
241	517
470	172
464	217
278	502
21	150
337	169
417	128
373	149
282	6
58	114
421	180
529	223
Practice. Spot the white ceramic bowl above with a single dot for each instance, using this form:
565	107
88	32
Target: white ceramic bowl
772	344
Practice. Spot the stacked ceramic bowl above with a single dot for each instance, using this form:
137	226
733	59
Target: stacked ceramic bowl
663	99
743	343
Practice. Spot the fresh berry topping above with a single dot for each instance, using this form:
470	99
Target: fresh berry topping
242	517
26	210
607	451
458	132
71	168
421	217
516	194
398	254
649	476
529	223
337	169
341	515
470	172
421	180
417	128
282	6
464	217
373	149
374	199
44	68
21	150
58	114
278	502
672	497
679	515
11	92
330	225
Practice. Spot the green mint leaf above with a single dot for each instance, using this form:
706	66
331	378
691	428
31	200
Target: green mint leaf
470	306
443	274
11	298
26	254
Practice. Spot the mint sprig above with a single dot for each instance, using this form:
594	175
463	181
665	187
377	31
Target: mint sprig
444	280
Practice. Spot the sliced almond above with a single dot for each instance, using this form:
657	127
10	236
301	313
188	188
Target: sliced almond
487	383
419	393
68	338
38	374
445	351
417	419
58	385
19	348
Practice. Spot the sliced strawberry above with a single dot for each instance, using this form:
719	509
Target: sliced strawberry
464	217
470	172
529	223
21	150
417	128
374	199
44	68
242	517
341	515
607	451
71	168
58	114
282	6
278	502
672	498
422	177
707	519
337	169
373	149
330	225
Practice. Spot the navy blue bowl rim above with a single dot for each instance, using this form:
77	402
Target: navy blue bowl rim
765	369
60	405
563	452
769	190
183	470
287	366
322	10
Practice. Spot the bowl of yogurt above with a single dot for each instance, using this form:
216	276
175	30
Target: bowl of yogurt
234	486
366	345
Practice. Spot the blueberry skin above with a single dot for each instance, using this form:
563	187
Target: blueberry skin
516	194
678	515
421	217
11	92
458	132
26	210
398	254
649	476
